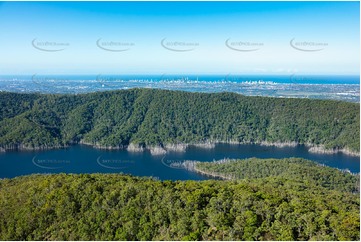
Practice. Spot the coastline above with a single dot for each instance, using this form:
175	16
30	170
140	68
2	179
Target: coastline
192	166
22	147
320	149
182	147
213	174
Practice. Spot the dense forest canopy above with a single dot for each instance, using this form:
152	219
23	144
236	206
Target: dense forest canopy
149	117
119	207
299	169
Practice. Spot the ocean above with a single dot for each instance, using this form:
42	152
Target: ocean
345	88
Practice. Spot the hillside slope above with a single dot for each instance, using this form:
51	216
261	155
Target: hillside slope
149	117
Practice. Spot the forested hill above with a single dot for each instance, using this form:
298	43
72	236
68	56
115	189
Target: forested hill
117	207
149	117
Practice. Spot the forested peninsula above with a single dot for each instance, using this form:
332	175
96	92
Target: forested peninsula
299	169
163	120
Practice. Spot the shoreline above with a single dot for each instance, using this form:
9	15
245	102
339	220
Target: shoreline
182	147
191	165
24	148
320	149
213	175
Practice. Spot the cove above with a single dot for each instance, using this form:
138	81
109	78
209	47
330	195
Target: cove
85	159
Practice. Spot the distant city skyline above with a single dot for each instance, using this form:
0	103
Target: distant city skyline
252	38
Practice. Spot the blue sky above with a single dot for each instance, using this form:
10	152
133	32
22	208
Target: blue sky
194	34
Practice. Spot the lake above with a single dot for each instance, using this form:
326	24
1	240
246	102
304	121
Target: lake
85	159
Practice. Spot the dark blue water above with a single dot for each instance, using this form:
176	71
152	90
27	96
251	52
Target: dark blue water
84	159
